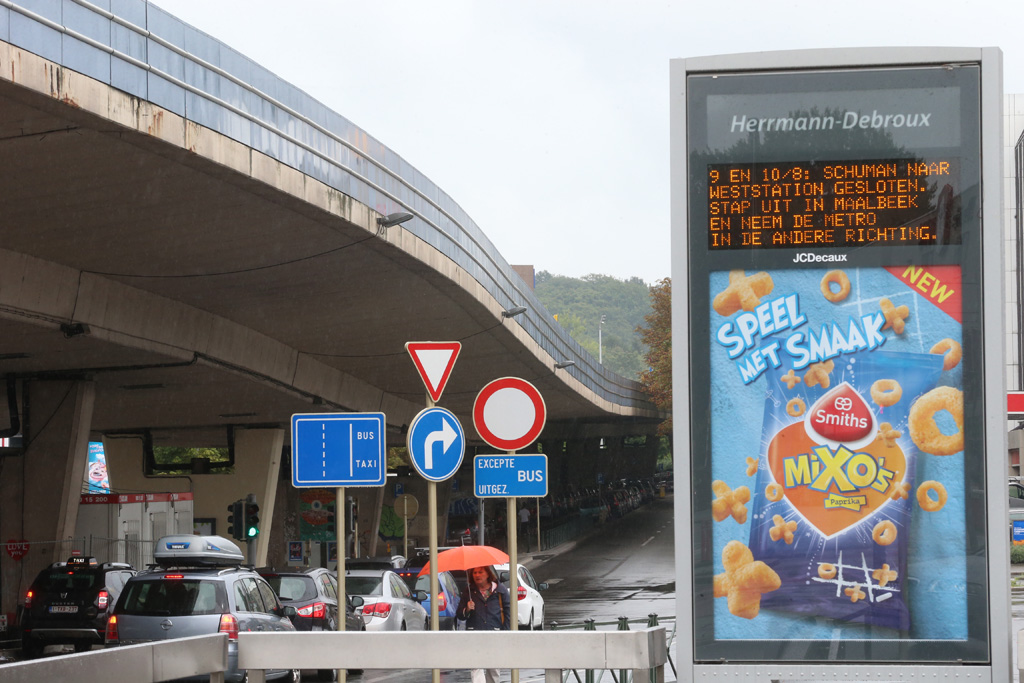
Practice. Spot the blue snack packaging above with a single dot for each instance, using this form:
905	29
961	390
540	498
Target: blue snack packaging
845	466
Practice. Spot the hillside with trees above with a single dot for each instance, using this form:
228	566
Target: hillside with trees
579	303
656	333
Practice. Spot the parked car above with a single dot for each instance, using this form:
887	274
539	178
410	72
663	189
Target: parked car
383	562
199	587
1016	495
313	592
449	597
68	604
416	561
531	602
388	604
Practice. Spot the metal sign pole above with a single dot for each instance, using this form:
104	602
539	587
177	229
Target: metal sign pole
405	528
432	504
480	524
513	566
339	534
435	674
537	512
355	530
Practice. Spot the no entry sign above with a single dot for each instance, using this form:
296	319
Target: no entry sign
509	413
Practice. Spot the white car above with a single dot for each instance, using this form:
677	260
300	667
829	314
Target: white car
388	604
531	602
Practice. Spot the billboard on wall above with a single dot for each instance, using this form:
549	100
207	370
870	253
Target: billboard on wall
97	479
835	328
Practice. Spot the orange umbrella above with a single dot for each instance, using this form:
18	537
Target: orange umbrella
466	557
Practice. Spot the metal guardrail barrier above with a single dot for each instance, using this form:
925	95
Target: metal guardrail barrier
620	624
567	531
1020	655
149	662
642	652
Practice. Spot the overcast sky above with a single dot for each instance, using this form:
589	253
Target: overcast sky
547	120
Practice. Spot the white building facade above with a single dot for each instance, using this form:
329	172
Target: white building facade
1013	176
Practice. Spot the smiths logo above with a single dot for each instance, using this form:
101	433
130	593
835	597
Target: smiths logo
841	416
834	466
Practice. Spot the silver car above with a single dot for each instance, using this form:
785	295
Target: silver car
181	599
388	604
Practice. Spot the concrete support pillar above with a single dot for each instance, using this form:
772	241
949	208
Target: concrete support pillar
558	465
257	469
39	490
583	472
126	468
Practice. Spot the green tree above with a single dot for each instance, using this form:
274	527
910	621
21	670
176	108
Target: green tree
657	337
580	303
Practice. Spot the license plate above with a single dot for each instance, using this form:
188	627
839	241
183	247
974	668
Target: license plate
63	609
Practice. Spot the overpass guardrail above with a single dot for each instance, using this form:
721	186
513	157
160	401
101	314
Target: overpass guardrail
642	652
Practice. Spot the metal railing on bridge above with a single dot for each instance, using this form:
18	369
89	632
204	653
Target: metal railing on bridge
642	652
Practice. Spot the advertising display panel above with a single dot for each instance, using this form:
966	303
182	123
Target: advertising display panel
836	334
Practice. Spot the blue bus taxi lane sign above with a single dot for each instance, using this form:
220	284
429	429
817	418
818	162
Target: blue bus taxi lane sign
338	449
436	443
1018	530
510	475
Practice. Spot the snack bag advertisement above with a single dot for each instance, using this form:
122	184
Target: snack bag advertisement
837	454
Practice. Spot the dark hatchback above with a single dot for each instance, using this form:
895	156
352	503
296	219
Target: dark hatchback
313	592
68	604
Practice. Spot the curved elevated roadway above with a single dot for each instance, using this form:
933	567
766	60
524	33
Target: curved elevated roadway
189	243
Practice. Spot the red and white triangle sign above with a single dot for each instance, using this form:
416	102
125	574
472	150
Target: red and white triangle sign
434	361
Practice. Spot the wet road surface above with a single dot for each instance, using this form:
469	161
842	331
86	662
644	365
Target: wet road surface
626	569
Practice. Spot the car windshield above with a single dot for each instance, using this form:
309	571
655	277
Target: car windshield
417	561
423	584
363	585
174	597
293	587
67	580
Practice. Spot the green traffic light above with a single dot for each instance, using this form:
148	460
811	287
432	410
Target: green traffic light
253	532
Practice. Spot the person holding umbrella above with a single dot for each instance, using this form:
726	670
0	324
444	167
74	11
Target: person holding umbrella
485	607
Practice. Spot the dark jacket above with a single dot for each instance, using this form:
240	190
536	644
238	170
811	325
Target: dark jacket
492	614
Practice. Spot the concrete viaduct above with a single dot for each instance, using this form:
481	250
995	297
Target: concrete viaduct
190	253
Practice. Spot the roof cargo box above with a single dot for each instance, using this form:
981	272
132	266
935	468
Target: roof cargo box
188	550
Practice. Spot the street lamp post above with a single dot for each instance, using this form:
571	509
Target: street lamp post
600	350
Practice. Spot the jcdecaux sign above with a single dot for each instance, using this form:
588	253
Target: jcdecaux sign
840	298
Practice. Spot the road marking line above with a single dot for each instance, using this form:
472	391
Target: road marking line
647	541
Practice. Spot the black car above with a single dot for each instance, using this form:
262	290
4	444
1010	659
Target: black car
68	604
313	592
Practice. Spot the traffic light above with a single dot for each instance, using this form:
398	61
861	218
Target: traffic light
236	514
252	519
353	514
332	521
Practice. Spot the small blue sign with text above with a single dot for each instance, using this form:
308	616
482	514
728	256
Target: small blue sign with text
510	476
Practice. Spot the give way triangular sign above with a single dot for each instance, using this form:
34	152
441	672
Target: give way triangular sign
434	361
